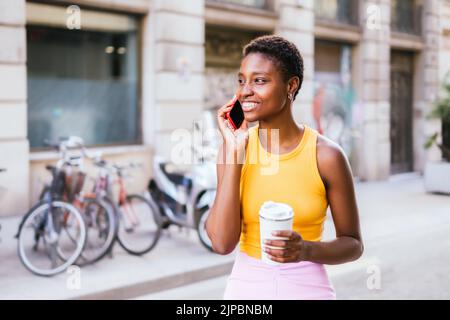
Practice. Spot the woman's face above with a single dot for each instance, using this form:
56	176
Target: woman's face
262	90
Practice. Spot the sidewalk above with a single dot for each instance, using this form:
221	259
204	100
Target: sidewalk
178	259
405	233
406	241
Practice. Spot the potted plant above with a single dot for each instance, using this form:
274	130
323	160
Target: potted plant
437	174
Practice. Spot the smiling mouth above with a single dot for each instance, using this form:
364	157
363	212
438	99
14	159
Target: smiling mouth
249	106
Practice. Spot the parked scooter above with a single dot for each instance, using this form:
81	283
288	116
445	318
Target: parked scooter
185	198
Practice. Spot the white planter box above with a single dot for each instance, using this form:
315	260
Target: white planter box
437	177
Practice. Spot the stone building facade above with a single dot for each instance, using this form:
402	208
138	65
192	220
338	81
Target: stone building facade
357	55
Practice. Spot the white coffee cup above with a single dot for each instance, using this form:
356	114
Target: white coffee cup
273	216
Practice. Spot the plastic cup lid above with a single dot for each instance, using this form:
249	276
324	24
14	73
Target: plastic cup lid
276	211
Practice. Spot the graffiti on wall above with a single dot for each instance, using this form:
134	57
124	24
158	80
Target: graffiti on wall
335	109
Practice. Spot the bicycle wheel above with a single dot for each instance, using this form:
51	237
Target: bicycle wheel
51	238
101	230
201	230
139	225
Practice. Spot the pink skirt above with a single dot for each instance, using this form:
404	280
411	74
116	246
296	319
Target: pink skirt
252	279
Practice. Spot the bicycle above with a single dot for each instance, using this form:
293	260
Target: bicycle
55	223
66	187
98	212
139	226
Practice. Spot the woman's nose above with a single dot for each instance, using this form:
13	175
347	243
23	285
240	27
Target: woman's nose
246	90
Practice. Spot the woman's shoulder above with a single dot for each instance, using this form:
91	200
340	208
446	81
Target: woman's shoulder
327	149
331	158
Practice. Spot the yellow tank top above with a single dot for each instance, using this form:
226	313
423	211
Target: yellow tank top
292	178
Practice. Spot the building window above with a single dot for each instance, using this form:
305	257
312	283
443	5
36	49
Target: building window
341	11
406	16
82	82
260	4
223	54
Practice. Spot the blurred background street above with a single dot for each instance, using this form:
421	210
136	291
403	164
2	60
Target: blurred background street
405	234
406	237
100	90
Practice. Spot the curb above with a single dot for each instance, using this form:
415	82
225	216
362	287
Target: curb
161	284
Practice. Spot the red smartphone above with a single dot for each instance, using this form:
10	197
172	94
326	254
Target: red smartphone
236	115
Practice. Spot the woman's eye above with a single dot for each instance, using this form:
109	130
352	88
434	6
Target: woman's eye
240	81
259	80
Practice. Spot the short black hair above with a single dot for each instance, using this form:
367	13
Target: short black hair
282	52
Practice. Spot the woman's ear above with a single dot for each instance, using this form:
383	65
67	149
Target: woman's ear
293	85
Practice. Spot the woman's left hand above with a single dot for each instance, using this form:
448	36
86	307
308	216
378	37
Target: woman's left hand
292	249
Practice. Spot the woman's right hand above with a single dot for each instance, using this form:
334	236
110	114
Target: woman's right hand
234	139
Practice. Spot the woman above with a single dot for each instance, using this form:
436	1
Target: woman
311	173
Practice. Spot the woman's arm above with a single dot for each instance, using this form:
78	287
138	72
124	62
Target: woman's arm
337	177
336	174
224	221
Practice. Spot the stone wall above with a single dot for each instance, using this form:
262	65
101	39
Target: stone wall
372	82
14	150
175	37
427	85
296	23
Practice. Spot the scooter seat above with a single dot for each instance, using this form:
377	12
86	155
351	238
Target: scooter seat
177	178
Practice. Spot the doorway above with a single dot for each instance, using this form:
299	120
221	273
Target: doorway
401	135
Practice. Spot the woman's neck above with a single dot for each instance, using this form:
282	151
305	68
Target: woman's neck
288	130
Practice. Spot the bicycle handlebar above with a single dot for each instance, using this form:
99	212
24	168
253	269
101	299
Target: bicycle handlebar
67	144
51	144
70	143
115	168
130	165
74	142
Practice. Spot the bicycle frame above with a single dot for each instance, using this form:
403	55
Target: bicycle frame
103	185
60	188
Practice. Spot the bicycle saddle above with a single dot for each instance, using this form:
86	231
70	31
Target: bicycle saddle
50	168
176	178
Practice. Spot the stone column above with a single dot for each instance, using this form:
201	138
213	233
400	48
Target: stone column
444	45
296	23
173	75
427	86
372	81
14	147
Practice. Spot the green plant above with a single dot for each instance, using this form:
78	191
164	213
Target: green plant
441	111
